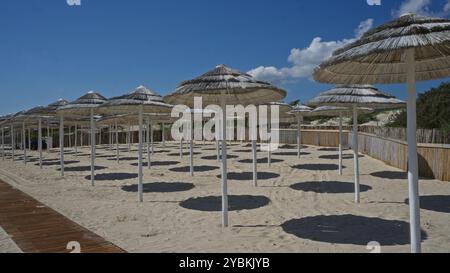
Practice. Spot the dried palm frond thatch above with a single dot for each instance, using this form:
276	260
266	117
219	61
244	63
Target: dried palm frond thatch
240	88
300	108
284	109
128	103
333	111
83	105
361	95
378	56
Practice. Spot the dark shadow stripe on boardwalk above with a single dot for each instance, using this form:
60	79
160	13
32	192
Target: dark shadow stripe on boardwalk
36	228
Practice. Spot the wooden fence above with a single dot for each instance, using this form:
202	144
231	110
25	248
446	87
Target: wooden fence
434	159
423	135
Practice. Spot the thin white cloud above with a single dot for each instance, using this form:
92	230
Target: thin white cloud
422	7
303	61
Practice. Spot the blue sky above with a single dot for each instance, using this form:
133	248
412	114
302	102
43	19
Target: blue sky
50	50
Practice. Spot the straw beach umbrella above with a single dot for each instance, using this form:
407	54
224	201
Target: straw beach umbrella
82	107
20	119
137	102
221	86
353	97
408	49
300	111
333	111
38	114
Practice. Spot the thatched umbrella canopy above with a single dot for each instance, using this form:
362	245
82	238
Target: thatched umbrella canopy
25	118
357	95
16	119
221	86
300	111
408	49
29	117
353	97
239	88
82	107
334	111
141	100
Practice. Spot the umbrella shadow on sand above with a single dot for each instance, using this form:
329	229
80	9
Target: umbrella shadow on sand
184	154
214	157
57	163
391	175
235	203
113	158
198	169
328	187
328	149
437	203
82	168
350	229
248	176
157	163
113	176
318	167
161	187
261	161
290	153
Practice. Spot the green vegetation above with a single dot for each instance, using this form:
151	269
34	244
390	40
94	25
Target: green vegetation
433	110
365	118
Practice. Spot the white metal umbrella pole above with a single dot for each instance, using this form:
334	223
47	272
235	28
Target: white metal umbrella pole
92	148
129	138
48	136
340	143
218	150
299	135
255	163
3	143
13	143
269	146
81	137
164	134
110	137
24	145
40	142
413	170
140	169
29	139
61	143
181	148
151	139
100	142
76	139
70	137
117	142
355	151
224	175
149	159
191	147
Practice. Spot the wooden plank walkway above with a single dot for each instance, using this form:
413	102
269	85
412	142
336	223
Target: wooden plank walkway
36	228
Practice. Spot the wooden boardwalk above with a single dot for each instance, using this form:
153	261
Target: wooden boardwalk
36	228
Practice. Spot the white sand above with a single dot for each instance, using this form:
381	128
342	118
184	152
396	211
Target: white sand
160	224
7	245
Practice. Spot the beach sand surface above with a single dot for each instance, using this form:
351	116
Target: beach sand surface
301	205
